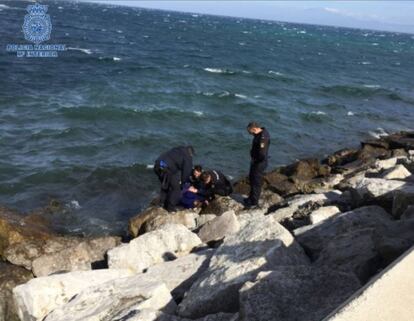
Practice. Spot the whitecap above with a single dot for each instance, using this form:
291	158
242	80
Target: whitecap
318	112
218	70
302	31
86	51
119	31
73	204
375	44
277	73
3	6
242	43
224	94
150	166
372	86
240	96
198	113
145	36
116	59
246	72
350	113
246	32
365	63
60	8
186	66
195	15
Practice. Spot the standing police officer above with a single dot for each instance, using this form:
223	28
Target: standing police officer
173	169
259	157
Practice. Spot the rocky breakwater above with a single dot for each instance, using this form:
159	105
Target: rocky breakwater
323	230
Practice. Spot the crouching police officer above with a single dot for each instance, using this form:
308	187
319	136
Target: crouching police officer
173	169
259	158
215	183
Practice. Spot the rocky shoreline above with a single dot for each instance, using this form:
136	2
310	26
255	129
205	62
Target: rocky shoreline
324	229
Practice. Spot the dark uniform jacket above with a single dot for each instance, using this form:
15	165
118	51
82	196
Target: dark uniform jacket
260	146
178	159
219	185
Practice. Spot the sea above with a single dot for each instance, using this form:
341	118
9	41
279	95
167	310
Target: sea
84	128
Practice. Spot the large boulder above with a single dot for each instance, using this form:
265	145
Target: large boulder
220	227
397	172
280	183
394	239
36	298
323	213
180	274
14	228
75	258
300	293
115	300
262	243
314	237
154	247
222	204
352	252
10	277
154	217
60	253
402	199
341	157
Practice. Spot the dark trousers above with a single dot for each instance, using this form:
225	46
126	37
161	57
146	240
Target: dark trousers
170	193
224	190
256	178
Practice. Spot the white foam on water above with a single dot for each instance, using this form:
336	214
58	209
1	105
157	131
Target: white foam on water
195	15
198	113
74	204
150	166
375	44
117	59
217	70
318	112
86	51
3	6
380	132
60	8
366	63
242	43
372	86
224	94
240	96
277	73
350	113
246	32
119	31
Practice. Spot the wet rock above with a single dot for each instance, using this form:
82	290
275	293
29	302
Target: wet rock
36	298
280	184
75	258
314	237
217	229
14	228
323	213
341	157
10	277
154	247
402	198
370	152
300	293
261	243
305	170
115	300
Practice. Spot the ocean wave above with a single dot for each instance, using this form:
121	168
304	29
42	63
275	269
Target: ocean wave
350	113
317	116
86	51
222	94
378	133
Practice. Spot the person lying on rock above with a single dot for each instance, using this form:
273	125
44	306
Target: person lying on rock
214	183
191	198
173	169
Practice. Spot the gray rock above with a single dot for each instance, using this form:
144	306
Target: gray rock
323	213
408	213
314	237
180	274
372	188
36	298
397	172
262	243
115	300
352	252
402	198
171	240
300	293
222	204
75	258
220	227
394	239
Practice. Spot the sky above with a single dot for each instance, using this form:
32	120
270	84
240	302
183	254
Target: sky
378	15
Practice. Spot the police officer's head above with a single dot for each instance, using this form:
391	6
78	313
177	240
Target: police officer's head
197	170
254	128
206	178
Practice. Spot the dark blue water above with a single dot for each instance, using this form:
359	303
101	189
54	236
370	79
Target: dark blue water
83	127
